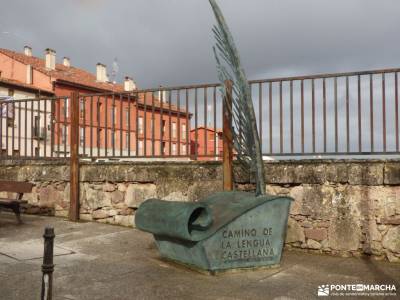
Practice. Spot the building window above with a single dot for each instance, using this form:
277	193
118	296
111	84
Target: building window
183	149
66	107
82	108
174	149
163	148
183	137
140	147
173	130
140	129
81	136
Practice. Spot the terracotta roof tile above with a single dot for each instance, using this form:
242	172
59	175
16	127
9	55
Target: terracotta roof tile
69	74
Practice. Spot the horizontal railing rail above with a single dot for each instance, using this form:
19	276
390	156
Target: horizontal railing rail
340	114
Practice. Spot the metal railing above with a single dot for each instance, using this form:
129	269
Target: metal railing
319	115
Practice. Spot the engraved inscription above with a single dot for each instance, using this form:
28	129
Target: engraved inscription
249	244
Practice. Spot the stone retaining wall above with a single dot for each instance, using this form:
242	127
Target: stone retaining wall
341	207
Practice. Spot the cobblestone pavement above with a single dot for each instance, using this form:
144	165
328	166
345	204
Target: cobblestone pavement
98	261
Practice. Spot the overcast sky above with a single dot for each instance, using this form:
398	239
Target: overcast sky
161	42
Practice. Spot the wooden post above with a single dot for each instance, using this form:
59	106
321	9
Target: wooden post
227	138
74	159
47	266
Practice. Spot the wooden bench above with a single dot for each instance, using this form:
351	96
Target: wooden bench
14	187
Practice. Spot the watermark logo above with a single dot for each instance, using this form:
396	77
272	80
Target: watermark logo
358	289
323	290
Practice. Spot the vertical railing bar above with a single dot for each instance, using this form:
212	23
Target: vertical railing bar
52	131
169	121
161	123
1	128
19	128
13	129
384	112
98	140
137	124
65	124
359	113
291	118
280	118
371	110
187	121
396	99
6	125
31	127
59	138
91	126
336	115
259	114
302	115
178	104
215	121
26	129
145	125
106	125
121	108
195	123
347	114
324	110
83	99
113	111
313	113
129	125
205	122
270	118
153	122
45	128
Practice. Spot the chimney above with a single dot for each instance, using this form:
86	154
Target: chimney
27	51
129	84
101	72
29	74
162	95
50	58
66	62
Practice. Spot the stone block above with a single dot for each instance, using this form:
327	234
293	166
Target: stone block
137	193
99	214
344	234
392	173
96	199
317	234
116	197
391	240
125	220
366	173
109	187
312	244
294	233
391	221
337	172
